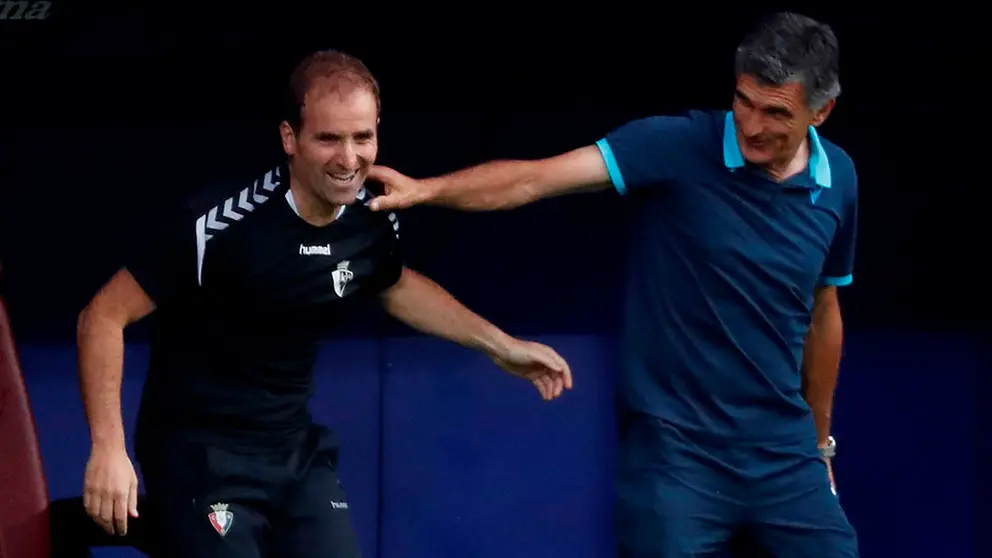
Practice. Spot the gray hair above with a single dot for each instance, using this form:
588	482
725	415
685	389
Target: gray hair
787	48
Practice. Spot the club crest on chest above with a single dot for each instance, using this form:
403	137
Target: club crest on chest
221	518
341	277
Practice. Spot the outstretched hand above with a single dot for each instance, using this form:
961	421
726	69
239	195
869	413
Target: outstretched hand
401	191
539	364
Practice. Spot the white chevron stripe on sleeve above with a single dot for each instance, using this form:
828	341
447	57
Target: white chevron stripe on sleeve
220	217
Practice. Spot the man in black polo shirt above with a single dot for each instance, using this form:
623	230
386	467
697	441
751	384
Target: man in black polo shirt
244	286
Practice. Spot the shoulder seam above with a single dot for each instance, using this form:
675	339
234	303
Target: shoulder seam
221	216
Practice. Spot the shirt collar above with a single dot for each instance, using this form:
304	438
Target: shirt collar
819	166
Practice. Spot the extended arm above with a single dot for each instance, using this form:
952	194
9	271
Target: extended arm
640	153
821	360
509	184
426	307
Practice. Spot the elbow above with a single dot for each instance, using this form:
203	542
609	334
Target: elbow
86	322
828	328
826	310
387	299
392	299
529	186
95	319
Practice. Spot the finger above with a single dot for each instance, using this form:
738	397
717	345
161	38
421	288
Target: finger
560	365
106	512
87	502
93	508
388	202
546	387
95	511
566	372
540	387
559	385
120	513
383	174
549	386
552	390
108	527
133	498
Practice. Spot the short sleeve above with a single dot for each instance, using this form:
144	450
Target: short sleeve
838	270
388	259
646	152
164	262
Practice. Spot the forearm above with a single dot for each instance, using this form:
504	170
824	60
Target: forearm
426	307
821	363
508	184
490	186
101	364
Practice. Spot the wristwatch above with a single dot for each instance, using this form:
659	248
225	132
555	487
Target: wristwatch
830	449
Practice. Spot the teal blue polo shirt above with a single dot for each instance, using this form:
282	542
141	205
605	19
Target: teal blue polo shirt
722	270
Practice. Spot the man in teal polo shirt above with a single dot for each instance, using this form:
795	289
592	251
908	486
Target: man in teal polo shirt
743	226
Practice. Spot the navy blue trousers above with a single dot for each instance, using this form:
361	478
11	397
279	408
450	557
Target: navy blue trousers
680	498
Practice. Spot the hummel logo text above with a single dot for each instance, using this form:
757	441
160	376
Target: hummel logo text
324	250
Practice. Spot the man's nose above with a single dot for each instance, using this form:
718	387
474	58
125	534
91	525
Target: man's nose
751	125
349	157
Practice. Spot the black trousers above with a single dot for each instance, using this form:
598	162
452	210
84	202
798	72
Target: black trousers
209	501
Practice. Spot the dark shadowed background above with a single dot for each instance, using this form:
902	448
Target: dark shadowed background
111	115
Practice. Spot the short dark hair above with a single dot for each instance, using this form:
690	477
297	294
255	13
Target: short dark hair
341	68
788	47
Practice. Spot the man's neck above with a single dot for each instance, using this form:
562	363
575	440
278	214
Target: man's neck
310	208
783	170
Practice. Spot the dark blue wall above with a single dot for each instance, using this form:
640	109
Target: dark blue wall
474	465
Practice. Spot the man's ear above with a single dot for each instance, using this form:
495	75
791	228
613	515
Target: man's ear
288	137
821	115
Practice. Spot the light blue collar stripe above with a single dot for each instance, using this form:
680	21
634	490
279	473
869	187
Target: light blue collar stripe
818	163
732	156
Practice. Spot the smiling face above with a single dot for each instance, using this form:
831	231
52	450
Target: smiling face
773	120
337	141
